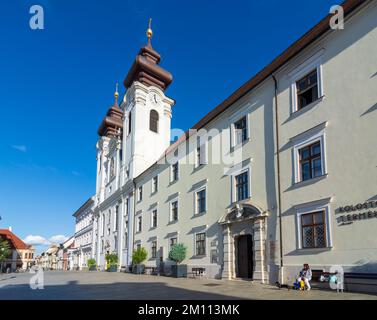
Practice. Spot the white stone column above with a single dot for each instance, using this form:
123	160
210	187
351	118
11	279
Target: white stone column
259	240
227	270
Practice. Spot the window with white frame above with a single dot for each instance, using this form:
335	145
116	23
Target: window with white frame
172	241
307	87
140	193
154	219
174	175
200	244
200	201
309	158
154	184
154	249
310	161
116	218
242	186
129	123
103	224
240	130
314	227
174	211
200	153
139	224
127	207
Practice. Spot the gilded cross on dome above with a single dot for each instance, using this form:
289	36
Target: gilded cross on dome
149	31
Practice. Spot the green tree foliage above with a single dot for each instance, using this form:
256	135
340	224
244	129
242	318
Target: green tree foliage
139	255
4	250
92	263
111	259
178	253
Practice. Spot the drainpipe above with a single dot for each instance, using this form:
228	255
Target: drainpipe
278	180
133	218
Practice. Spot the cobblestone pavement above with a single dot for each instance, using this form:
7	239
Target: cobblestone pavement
103	285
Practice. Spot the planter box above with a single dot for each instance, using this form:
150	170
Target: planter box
93	268
179	271
113	268
138	269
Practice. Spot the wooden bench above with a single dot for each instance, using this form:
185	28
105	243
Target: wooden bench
317	283
197	272
361	282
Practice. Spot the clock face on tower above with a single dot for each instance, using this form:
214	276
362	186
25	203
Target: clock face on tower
155	98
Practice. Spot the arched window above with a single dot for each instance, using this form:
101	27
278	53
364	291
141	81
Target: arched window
129	122
153	121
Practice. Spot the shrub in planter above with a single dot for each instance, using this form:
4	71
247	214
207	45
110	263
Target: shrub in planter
92	265
138	257
111	262
178	254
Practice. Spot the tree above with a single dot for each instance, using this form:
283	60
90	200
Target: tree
111	260
4	252
139	255
178	253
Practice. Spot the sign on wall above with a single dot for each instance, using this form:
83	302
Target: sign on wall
357	212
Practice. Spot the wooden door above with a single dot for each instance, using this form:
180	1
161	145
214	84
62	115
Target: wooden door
245	257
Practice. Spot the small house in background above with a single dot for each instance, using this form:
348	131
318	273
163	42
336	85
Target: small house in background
21	256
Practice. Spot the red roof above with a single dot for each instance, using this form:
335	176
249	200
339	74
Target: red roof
16	241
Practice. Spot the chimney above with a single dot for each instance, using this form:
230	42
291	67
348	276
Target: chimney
10	228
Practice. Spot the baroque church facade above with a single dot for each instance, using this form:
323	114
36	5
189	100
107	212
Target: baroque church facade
261	184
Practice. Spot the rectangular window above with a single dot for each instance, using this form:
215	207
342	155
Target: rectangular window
127	206
201	201
240	128
242	186
154	250
129	122
140	193
200	244
155	184
310	161
154	219
139	224
172	241
307	89
174	172
313	230
200	153
174	211
116	218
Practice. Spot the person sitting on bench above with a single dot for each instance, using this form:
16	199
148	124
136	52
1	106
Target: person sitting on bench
306	276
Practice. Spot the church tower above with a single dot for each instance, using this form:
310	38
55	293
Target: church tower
147	111
109	149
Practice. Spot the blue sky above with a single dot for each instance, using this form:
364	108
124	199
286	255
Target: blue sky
56	84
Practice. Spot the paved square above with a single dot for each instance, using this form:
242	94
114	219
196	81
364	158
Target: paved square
103	285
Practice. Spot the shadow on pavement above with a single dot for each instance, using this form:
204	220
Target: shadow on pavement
114	291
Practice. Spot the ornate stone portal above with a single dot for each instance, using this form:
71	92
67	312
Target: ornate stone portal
242	220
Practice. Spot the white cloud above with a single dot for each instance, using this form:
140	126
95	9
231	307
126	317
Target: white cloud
57	239
41	241
36	240
21	148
